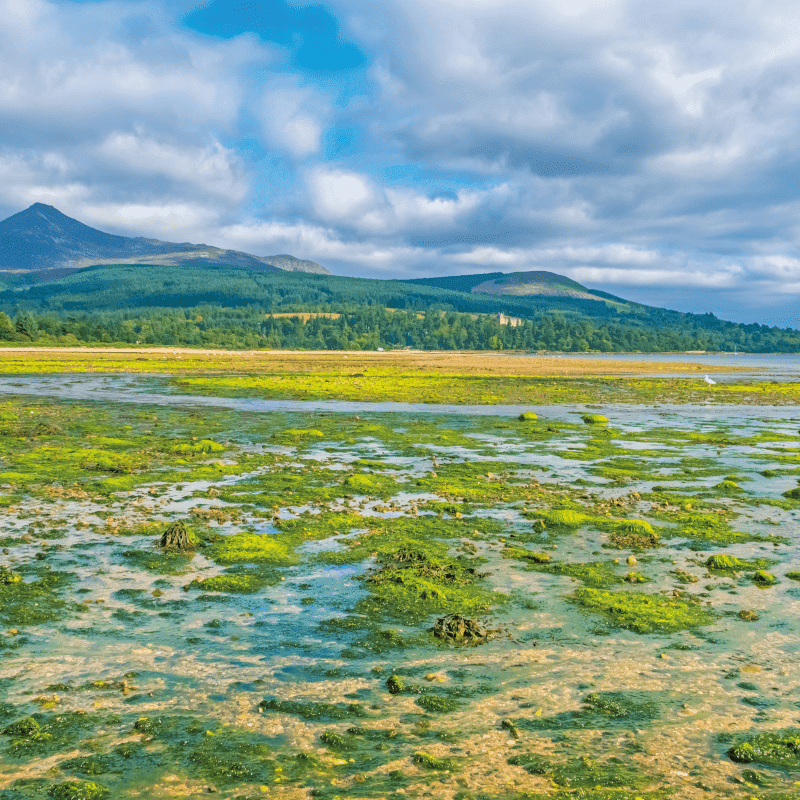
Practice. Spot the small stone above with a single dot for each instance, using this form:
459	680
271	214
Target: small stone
748	615
13	632
630	560
157	593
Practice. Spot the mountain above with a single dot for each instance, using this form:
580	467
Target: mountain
225	306
43	244
520	284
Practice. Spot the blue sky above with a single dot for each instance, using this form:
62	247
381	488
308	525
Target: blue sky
648	150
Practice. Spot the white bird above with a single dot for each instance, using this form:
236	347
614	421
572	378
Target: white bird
709	381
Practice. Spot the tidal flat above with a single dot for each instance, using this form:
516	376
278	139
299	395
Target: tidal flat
385	604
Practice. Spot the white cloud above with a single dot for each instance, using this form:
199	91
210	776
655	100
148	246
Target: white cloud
292	118
213	170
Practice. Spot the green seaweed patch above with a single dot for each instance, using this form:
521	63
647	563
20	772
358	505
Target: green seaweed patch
521	554
384	536
644	613
602	710
220	754
582	773
633	534
200	447
438	704
79	790
46	734
35	602
619	705
592	573
363	483
793	494
565	518
229	756
763	578
235	583
793	576
527	416
721	562
93	765
336	741
774	749
704	528
415	581
427	761
156	560
250	548
368	635
311	710
298	435
727	487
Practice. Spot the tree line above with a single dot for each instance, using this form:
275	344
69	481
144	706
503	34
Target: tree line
369	327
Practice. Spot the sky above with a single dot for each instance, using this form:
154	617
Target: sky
646	149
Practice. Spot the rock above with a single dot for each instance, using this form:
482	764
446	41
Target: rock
630	560
748	615
508	725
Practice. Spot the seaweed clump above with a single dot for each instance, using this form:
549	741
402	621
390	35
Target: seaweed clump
459	629
177	538
775	749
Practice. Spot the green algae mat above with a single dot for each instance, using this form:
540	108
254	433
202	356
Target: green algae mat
309	604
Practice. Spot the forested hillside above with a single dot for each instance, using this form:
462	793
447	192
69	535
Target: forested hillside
233	308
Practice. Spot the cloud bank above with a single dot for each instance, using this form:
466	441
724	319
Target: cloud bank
642	150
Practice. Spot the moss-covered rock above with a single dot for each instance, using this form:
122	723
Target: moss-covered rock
395	684
527	416
763	578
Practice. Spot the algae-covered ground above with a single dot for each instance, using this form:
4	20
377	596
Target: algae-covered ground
413	376
633	647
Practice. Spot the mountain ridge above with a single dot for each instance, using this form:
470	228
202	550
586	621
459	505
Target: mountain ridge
44	242
520	284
